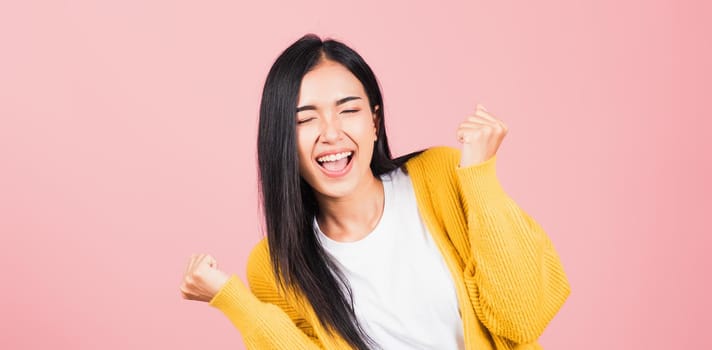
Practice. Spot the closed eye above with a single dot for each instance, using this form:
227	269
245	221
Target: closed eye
350	111
302	121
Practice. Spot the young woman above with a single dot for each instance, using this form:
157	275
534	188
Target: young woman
364	251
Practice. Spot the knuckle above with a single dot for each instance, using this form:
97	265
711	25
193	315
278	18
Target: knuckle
190	282
185	292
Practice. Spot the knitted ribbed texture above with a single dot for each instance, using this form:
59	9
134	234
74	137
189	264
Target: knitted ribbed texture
509	280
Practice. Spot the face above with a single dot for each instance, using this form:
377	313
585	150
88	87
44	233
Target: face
336	131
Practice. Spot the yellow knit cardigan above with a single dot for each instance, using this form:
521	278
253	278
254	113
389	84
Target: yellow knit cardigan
509	279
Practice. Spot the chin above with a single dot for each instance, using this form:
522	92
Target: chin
335	191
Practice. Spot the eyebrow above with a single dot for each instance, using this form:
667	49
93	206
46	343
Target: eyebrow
339	102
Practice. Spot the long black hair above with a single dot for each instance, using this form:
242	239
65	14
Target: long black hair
298	260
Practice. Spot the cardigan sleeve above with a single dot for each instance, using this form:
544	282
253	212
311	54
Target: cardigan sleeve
262	315
514	277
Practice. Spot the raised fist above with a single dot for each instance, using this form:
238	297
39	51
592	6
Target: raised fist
202	279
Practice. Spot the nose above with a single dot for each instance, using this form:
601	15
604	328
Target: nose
331	130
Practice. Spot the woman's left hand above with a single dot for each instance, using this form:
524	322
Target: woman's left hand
480	135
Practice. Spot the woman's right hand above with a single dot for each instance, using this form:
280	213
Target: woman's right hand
202	279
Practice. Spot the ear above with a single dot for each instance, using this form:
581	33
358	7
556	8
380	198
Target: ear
375	114
375	120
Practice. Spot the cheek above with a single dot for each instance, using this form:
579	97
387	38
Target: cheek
306	136
362	131
361	128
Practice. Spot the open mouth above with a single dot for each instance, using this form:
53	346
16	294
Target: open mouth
336	163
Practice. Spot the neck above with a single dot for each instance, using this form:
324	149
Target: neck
353	217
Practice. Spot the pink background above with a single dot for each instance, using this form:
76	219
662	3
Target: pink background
127	142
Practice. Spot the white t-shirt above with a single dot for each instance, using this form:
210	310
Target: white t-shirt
403	292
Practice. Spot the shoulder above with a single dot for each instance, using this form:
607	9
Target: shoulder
260	273
259	266
434	174
438	156
260	251
434	162
264	286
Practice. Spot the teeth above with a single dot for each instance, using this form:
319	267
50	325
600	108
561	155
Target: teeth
333	157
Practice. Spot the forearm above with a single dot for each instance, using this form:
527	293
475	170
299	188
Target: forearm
515	274
262	325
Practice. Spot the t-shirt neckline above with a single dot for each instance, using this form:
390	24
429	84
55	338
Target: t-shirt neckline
371	237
